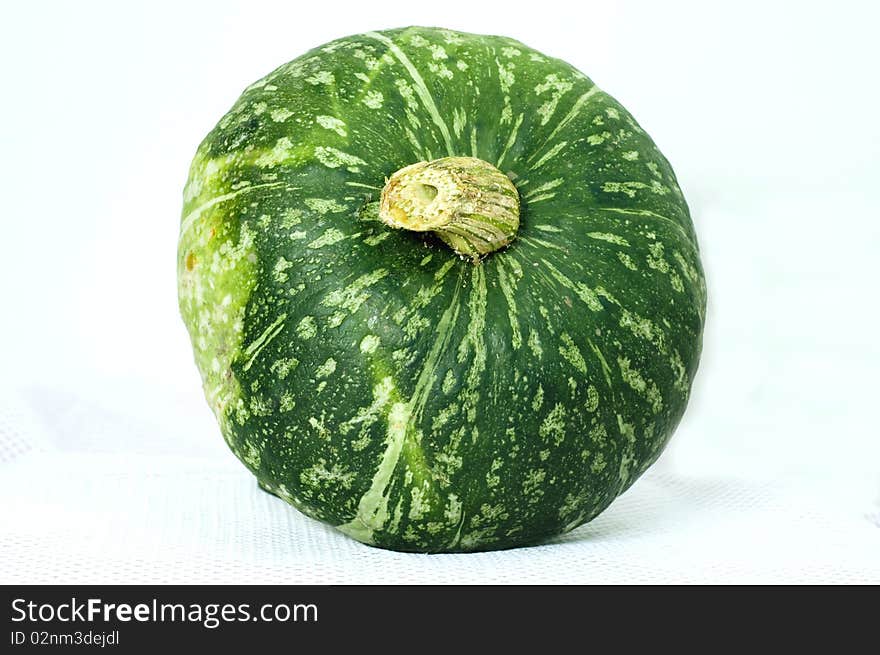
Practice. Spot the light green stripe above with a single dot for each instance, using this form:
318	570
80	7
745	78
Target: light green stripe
575	110
188	220
372	510
352	297
263	340
508	285
365	186
606	370
510	140
477	326
647	213
548	186
541	243
587	295
609	237
428	374
421	88
549	155
372	513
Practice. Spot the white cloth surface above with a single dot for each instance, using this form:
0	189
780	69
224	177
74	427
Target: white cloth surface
77	509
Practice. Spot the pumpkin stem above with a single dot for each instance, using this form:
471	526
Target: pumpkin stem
471	205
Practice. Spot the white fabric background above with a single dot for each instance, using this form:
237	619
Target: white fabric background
88	512
111	466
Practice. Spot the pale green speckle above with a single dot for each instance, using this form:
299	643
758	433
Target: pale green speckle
532	485
558	87
407	93
366	416
330	236
627	431
571	353
250	455
627	188
279	273
689	271
280	115
492	477
553	425
287	402
448	381
643	328
681	382
331	123
373	99
592	399
372	512
535	344
324	206
291	217
306	329
659	189
452	514
440	70
280	152
326	369
538	400
418	506
369	344
320	475
321	77
506	76
656	259
508	288
676	282
283	367
636	381
336	319
352	296
627	261
334	158
376	239
610	238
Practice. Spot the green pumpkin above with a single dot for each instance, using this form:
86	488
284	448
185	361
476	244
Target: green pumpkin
487	384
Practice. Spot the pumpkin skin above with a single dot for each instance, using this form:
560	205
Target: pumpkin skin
380	383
